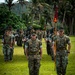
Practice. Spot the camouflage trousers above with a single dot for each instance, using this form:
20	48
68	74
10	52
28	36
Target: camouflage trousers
34	64
11	53
8	52
50	51
61	62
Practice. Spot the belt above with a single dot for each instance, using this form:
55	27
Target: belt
34	53
61	49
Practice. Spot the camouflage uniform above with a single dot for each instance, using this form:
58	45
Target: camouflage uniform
48	43
39	35
61	53
6	46
33	51
19	38
53	37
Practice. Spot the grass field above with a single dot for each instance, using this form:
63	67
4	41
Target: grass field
19	65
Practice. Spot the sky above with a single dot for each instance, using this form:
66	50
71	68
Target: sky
2	1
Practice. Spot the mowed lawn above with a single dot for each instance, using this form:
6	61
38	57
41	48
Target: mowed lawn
19	65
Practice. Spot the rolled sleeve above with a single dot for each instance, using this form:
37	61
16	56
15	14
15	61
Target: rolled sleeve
40	44
68	41
26	45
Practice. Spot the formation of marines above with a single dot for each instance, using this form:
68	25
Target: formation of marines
8	41
58	46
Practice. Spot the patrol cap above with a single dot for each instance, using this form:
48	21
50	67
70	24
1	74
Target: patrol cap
34	34
61	28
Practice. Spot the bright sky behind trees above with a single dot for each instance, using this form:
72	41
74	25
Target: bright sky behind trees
2	1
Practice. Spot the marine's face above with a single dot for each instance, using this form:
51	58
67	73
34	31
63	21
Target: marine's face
33	37
61	32
7	32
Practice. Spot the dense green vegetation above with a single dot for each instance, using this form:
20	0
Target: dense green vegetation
19	65
7	18
40	14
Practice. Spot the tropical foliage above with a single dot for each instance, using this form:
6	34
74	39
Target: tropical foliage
8	18
9	3
41	14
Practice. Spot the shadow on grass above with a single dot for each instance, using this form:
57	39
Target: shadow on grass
19	58
46	57
22	58
16	58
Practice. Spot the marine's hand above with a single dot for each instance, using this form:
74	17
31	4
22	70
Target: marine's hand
54	54
68	52
10	47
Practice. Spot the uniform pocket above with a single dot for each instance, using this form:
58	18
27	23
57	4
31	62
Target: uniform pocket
39	57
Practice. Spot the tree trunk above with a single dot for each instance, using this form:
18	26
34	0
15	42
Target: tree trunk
63	22
74	27
71	26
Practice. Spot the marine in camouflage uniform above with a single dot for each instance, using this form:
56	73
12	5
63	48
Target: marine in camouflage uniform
27	36
61	52
12	44
6	45
39	35
48	43
33	50
20	37
54	36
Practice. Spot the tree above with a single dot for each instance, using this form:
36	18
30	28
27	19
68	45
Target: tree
8	18
67	11
9	3
21	2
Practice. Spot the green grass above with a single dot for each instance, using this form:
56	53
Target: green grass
19	65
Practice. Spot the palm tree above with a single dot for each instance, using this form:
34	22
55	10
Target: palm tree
21	2
43	9
9	4
67	10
